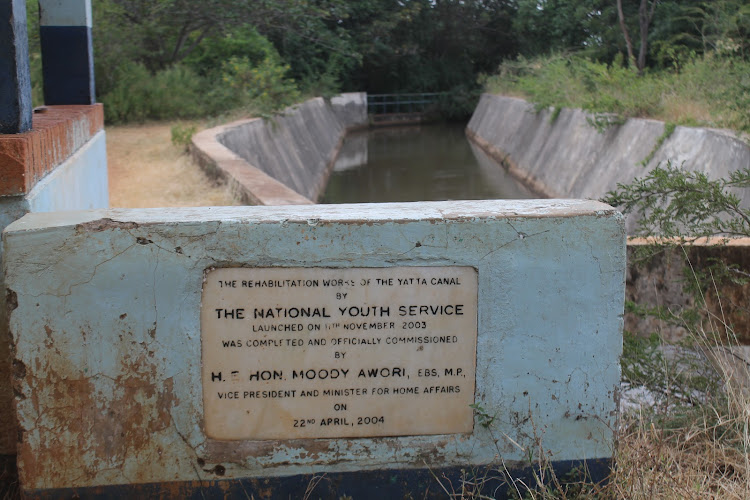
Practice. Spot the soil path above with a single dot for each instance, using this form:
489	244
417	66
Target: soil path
146	170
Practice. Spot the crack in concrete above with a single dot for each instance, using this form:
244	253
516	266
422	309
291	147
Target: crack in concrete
86	281
520	236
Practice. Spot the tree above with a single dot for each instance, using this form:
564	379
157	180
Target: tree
645	16
424	45
544	26
721	25
159	34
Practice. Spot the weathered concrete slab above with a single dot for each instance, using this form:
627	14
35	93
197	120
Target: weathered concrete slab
107	333
61	164
351	109
249	184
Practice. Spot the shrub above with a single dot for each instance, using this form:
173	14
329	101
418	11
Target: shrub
263	87
459	102
176	92
127	100
238	70
182	134
710	90
674	203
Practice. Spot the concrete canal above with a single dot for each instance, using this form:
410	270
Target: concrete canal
415	163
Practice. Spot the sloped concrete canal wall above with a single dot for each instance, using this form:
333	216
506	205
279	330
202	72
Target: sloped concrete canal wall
567	157
285	160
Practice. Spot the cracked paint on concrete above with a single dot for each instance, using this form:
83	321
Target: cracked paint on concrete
106	332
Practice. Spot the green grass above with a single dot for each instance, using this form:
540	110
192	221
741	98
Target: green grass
710	91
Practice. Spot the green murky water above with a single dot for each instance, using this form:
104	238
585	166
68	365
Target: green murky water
428	162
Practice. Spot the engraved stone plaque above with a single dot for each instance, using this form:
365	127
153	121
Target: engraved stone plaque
293	353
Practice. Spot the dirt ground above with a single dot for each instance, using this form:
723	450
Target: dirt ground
146	170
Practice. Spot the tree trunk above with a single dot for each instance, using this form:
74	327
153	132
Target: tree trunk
626	34
645	15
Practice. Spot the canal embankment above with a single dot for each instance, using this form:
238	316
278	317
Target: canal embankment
569	153
283	160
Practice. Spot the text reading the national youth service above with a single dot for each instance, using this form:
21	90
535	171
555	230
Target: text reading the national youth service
291	353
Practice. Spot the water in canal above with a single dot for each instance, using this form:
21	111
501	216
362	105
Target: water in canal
427	162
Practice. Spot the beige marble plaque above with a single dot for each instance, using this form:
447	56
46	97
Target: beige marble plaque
293	353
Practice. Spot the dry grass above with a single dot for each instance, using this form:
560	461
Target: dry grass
698	448
707	91
146	170
705	457
676	109
700	452
691	449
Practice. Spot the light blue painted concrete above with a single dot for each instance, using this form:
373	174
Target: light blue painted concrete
107	330
80	183
65	13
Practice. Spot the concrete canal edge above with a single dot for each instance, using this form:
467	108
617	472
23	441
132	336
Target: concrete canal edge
561	155
285	160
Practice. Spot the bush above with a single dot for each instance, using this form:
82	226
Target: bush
209	57
239	69
571	81
182	134
179	92
175	92
126	101
673	203
459	102
264	87
720	85
709	90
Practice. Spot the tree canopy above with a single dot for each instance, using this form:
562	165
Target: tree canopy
379	46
